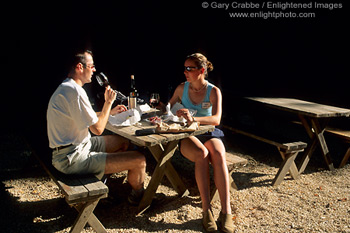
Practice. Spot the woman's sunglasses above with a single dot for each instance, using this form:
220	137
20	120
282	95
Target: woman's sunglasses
190	68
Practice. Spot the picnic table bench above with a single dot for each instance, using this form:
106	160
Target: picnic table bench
288	152
344	135
83	192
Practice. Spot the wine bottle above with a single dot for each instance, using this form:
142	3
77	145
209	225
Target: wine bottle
133	94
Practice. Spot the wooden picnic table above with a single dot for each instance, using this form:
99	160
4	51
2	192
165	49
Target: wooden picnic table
162	147
314	118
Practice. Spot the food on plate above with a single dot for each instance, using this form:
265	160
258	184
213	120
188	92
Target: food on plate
193	126
176	128
155	120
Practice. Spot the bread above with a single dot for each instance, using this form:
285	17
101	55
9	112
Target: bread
176	128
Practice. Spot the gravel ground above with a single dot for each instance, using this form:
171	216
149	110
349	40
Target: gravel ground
317	202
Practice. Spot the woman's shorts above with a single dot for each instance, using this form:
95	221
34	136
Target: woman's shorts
217	133
86	158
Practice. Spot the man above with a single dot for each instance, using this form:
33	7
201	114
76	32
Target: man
69	119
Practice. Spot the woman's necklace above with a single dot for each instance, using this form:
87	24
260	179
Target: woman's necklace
205	85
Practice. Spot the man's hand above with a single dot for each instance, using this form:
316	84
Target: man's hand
118	109
100	126
110	95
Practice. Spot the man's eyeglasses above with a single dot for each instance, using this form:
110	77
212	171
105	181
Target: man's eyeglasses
91	67
190	68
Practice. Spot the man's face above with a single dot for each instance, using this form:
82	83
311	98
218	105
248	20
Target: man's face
88	69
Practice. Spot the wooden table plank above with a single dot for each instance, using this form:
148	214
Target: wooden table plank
303	107
153	139
94	186
341	133
73	189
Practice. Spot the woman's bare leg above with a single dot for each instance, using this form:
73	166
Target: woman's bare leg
195	151
217	154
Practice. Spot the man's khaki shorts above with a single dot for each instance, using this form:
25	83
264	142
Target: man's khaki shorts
86	158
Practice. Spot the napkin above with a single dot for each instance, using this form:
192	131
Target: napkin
171	113
126	118
178	106
143	108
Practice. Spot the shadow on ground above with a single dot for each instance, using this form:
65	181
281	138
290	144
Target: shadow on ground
52	215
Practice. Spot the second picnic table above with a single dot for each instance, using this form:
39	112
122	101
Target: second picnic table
314	117
162	147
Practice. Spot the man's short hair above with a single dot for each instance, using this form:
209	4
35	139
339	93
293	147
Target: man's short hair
79	57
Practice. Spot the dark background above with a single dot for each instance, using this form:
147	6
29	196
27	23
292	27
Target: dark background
305	58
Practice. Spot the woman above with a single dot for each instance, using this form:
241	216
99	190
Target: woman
198	94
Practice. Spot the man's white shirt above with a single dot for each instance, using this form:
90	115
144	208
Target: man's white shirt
69	115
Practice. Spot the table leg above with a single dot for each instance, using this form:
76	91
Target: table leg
293	170
84	215
315	131
319	130
284	167
307	155
93	220
170	172
345	159
163	161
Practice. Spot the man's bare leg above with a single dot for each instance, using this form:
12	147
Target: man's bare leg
116	143
132	161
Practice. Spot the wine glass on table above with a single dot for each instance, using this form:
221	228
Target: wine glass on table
154	100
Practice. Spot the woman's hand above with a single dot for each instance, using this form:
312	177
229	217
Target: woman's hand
118	109
184	112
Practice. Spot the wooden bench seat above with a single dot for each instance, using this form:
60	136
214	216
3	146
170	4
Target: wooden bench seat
288	151
232	162
82	192
345	136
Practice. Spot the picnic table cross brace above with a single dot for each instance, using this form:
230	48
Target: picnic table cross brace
163	155
315	129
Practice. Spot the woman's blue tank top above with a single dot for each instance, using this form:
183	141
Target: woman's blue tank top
204	108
